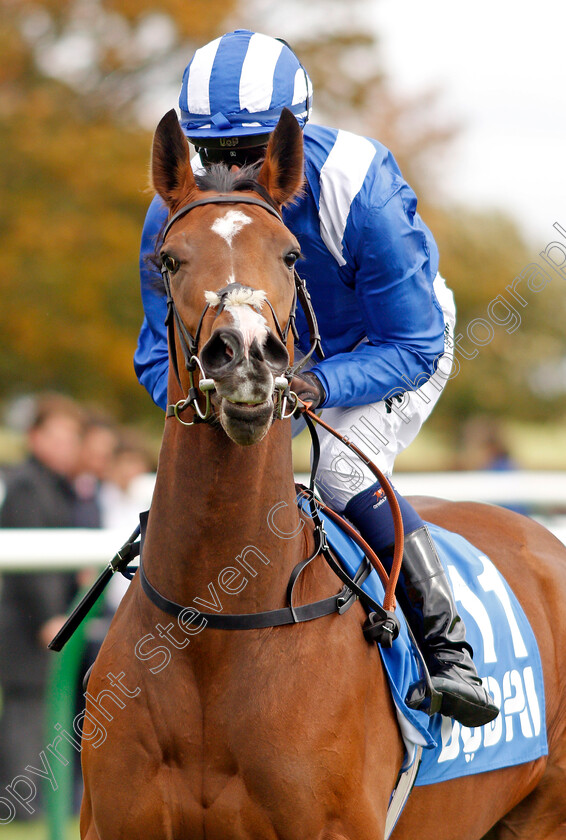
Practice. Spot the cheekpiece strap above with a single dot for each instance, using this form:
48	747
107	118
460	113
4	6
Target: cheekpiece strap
315	339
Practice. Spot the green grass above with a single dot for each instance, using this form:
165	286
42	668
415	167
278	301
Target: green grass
36	830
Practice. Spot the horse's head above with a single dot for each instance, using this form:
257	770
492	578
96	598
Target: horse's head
229	261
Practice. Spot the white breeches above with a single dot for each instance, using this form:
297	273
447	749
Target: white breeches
380	431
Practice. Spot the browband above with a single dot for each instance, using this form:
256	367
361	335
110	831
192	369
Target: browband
221	199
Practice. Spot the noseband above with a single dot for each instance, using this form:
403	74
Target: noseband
189	343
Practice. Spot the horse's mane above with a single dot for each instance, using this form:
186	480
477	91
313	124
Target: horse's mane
216	178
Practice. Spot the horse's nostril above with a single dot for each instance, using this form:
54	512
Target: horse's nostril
275	354
223	350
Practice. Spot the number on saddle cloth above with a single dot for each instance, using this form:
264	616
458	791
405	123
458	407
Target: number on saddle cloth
507	658
505	653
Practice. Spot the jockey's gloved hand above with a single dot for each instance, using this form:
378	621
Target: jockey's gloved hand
308	388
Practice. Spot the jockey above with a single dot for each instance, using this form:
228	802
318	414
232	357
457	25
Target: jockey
384	313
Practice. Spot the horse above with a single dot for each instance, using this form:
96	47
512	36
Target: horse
192	730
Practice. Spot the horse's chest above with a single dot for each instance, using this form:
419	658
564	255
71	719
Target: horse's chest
232	736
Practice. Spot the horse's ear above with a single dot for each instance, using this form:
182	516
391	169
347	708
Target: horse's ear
171	171
282	171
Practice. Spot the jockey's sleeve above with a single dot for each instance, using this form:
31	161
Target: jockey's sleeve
151	358
397	262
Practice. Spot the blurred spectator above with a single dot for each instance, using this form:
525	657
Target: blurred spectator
122	495
96	457
125	494
483	447
39	494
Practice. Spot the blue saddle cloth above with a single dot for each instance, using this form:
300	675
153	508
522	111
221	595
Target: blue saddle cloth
506	656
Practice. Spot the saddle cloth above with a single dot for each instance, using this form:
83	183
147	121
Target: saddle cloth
505	653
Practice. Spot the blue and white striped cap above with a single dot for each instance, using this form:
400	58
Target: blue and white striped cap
237	86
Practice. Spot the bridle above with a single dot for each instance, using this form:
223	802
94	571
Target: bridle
190	344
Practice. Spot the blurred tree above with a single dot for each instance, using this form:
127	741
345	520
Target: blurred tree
72	191
510	315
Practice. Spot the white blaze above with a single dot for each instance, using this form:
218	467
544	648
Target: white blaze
229	225
250	323
244	305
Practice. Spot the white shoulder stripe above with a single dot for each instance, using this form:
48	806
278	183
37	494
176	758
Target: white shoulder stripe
199	78
341	179
259	65
302	89
445	298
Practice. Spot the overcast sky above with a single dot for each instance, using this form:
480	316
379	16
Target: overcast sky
500	66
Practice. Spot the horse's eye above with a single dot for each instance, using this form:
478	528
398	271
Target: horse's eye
291	258
170	263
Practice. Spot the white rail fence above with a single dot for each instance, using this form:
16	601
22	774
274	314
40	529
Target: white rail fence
543	494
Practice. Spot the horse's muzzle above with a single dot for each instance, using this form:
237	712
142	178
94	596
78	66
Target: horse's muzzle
244	381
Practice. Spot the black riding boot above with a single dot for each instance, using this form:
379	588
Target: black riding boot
431	612
428	604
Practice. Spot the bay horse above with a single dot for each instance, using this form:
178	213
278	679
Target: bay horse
193	731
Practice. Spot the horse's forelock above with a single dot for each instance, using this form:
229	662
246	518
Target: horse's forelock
221	178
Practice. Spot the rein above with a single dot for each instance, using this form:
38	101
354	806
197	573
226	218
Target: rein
390	581
190	343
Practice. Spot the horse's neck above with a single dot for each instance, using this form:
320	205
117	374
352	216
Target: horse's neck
221	515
